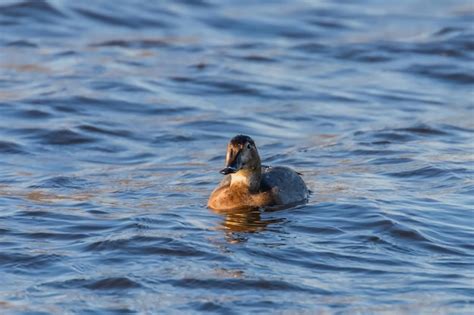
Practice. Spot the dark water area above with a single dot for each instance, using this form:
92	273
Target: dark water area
114	119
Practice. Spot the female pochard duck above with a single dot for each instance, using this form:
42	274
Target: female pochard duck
249	184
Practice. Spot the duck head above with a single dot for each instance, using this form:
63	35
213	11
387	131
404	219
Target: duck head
242	156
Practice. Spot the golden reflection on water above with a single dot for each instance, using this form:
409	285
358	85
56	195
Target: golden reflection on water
238	222
242	220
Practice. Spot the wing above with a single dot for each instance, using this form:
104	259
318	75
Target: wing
286	184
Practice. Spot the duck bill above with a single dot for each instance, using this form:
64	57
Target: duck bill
227	170
232	165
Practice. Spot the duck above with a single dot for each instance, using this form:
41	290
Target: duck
249	184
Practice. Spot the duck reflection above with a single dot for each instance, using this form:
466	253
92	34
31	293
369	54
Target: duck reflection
238	223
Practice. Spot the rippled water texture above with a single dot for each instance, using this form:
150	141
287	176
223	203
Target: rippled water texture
114	120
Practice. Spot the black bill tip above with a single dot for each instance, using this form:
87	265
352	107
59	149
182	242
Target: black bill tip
228	170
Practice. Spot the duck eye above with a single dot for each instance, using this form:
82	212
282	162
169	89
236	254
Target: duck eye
249	146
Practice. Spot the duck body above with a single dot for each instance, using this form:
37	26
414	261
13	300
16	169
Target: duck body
249	184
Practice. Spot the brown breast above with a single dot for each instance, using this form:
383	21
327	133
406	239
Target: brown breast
239	197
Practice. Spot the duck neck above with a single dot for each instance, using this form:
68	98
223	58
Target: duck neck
248	178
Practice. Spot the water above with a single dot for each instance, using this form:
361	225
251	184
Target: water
114	121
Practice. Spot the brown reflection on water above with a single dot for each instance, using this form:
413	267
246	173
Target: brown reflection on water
245	220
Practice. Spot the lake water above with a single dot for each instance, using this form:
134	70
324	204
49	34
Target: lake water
114	119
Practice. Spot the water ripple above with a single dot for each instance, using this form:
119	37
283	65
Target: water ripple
118	283
115	116
10	147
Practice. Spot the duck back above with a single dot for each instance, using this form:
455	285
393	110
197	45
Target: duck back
287	185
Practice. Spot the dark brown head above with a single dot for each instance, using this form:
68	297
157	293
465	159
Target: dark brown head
242	154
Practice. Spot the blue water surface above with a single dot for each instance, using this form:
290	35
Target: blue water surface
114	119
